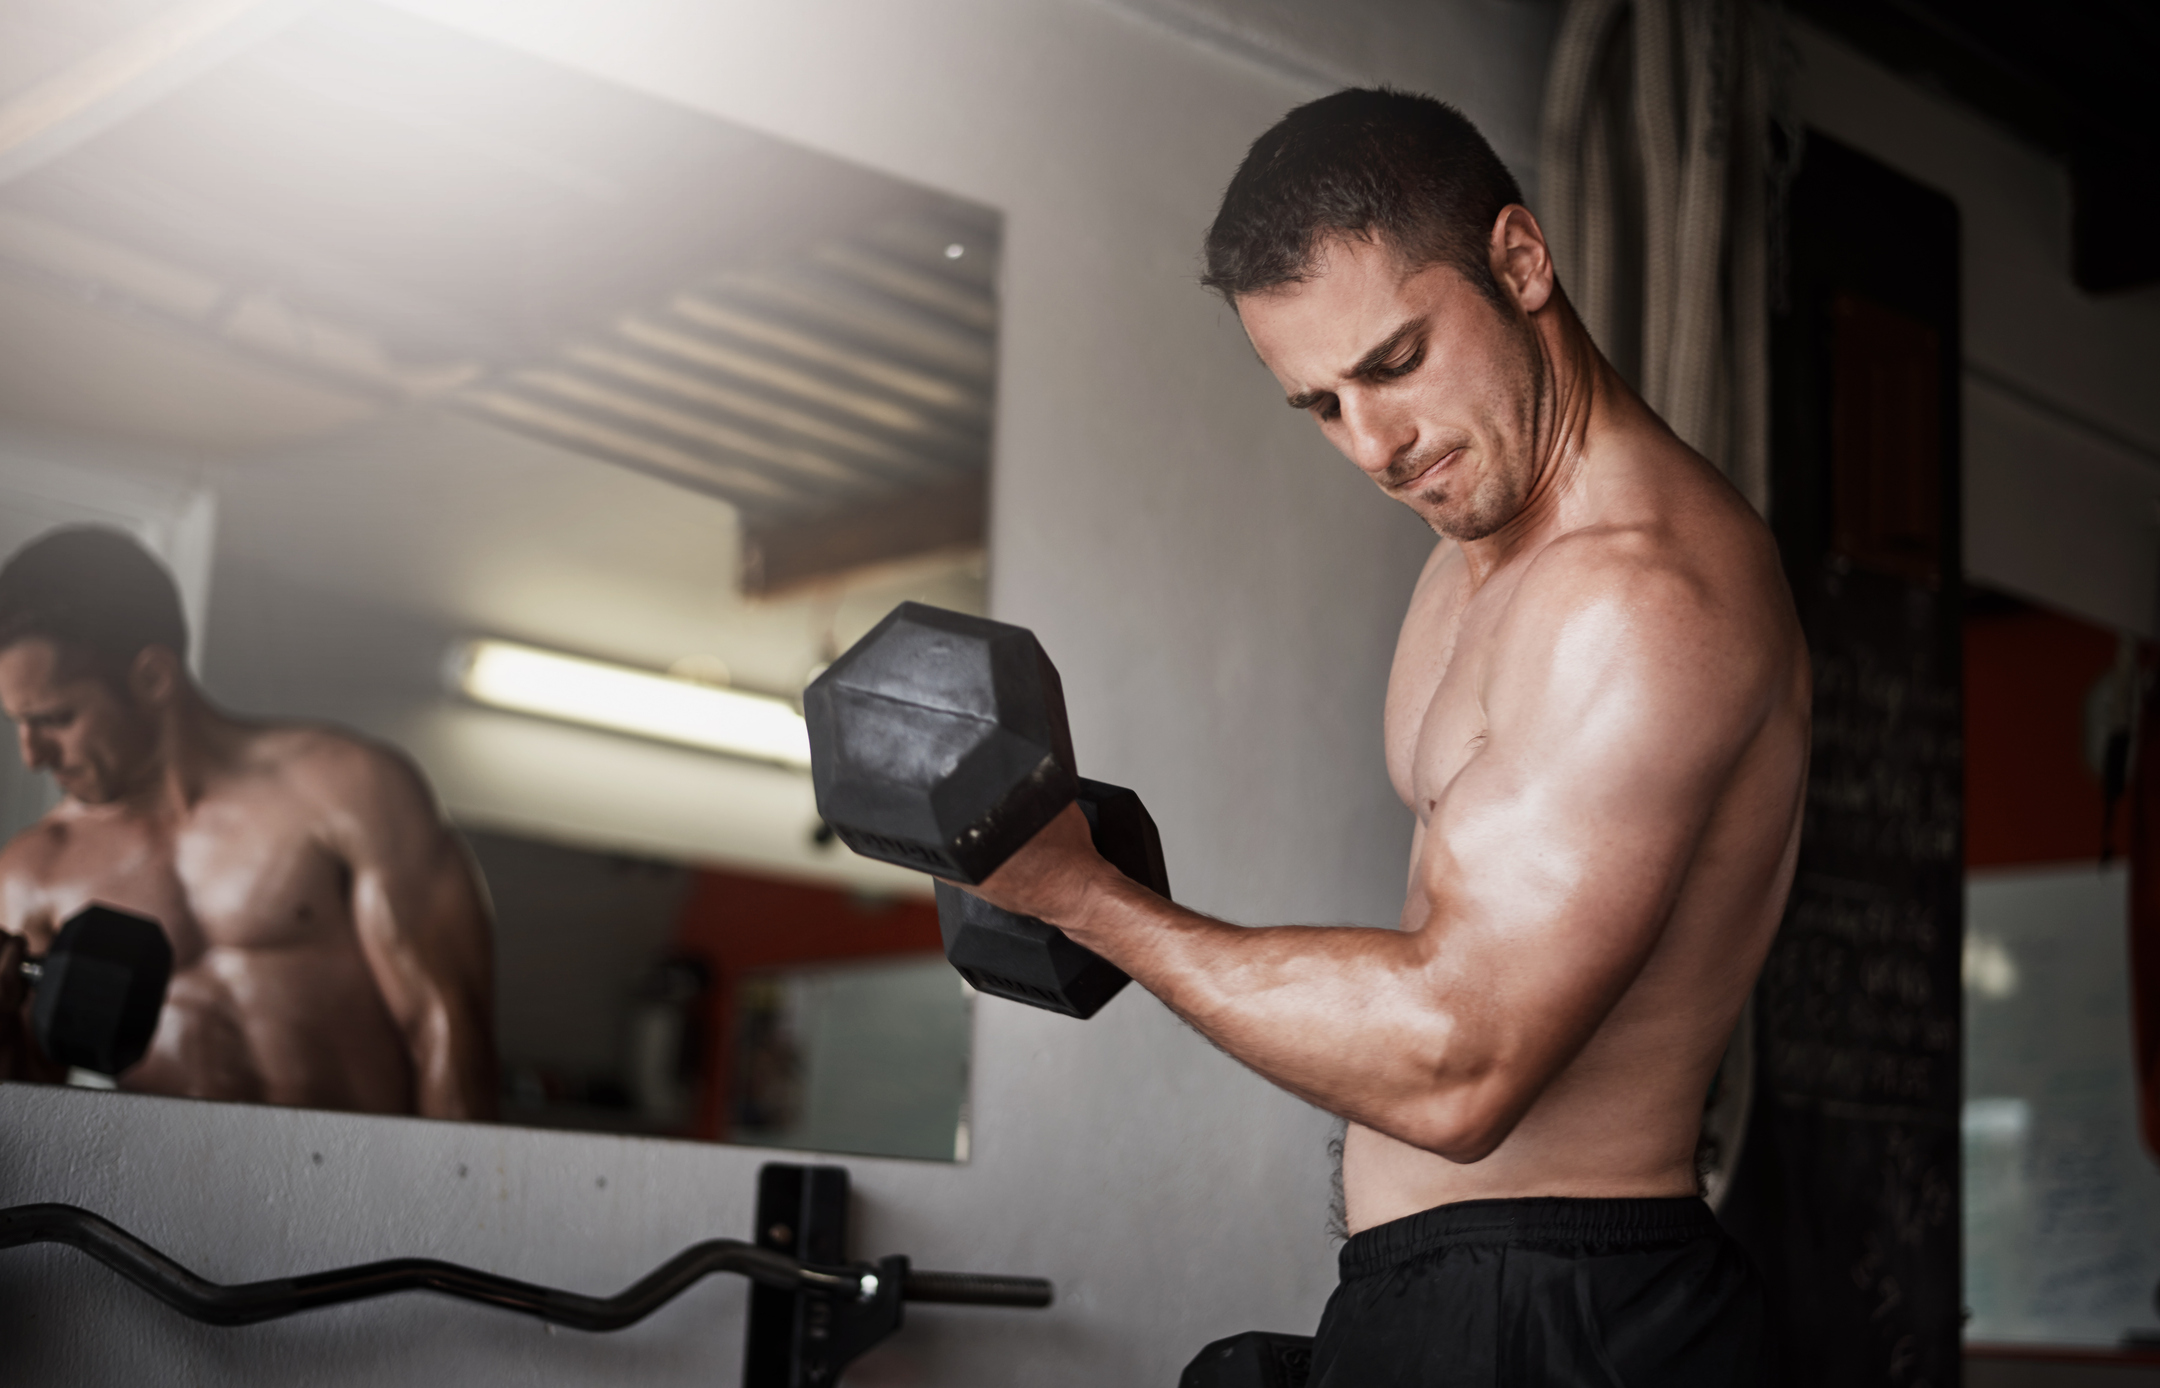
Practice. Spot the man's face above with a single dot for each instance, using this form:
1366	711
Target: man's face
94	739
1415	376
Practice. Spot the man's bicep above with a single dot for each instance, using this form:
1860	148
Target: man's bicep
1556	852
419	912
424	926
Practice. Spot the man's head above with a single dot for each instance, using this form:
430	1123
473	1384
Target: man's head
91	635
1379	256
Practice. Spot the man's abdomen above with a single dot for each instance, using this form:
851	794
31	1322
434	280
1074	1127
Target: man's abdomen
300	1025
1619	1122
1385	1180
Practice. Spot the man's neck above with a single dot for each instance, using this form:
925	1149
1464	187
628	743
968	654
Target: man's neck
195	742
1578	391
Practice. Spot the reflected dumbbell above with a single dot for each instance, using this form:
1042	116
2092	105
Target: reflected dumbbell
98	991
938	742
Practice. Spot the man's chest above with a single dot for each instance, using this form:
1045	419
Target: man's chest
242	873
1436	714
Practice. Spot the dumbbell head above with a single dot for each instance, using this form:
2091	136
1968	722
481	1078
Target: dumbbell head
1021	958
938	742
100	989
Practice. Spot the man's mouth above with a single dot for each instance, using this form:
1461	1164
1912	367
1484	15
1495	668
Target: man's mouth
1431	472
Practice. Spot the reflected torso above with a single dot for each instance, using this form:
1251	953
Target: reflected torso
272	998
1622	1118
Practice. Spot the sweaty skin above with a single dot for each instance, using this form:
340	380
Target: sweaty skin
1598	714
330	941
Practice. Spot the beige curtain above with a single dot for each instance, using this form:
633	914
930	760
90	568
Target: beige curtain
1652	191
1653	184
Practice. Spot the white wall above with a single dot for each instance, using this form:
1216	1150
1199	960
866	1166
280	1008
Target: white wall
2062	413
1220	593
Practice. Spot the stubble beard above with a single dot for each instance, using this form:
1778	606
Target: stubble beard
114	773
1472	503
1498	493
1494	499
85	786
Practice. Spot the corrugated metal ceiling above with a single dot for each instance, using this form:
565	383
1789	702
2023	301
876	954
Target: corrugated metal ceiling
384	208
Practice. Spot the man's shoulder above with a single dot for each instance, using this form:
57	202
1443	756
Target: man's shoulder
27	856
1615	566
35	863
1677	541
1701	594
1441	581
322	762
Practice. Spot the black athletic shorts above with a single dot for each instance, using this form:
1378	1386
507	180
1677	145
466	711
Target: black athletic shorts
1500	1293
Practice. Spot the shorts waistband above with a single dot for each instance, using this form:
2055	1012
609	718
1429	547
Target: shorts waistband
1546	1219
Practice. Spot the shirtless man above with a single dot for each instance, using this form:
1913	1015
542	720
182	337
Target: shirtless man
330	942
1598	714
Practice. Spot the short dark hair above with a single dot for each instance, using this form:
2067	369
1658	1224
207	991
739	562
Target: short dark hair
96	594
1407	171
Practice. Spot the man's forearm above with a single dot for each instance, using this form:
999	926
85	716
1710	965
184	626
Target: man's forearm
1356	1020
454	1068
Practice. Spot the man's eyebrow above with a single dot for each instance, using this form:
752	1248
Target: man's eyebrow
1372	361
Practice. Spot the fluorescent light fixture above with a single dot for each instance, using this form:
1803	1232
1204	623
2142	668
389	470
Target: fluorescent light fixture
621	699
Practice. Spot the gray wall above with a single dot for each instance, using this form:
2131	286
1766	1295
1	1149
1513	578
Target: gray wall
1221	593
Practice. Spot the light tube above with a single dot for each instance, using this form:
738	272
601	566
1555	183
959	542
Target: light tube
526	679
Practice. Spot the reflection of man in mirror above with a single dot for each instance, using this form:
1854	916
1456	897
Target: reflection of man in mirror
331	943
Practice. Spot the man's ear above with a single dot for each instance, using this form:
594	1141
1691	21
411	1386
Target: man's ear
1520	261
155	676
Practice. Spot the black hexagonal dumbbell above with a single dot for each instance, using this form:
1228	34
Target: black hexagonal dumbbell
99	989
938	742
1019	957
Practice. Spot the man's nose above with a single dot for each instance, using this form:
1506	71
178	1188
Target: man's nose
37	752
1373	435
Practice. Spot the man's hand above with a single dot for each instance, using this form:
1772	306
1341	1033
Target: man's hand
1053	874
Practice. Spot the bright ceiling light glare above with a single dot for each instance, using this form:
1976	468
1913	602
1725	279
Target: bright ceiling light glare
525	679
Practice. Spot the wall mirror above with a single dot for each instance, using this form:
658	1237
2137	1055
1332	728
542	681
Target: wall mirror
493	411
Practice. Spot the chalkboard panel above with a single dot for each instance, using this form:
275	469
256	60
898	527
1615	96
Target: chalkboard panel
1847	1188
1849	1182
